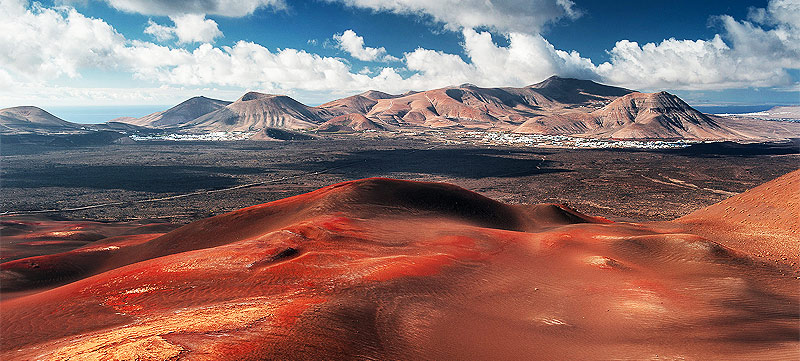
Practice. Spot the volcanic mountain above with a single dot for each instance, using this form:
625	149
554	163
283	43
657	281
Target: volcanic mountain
577	91
501	108
29	119
180	114
356	104
353	122
255	111
375	95
635	116
388	269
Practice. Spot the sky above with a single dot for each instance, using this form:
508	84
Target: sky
139	54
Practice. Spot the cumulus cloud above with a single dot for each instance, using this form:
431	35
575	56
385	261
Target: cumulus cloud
188	28
526	16
350	42
527	59
743	55
49	42
233	8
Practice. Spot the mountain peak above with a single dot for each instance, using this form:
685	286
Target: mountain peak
377	94
254	95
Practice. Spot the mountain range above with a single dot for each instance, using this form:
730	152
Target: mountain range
555	106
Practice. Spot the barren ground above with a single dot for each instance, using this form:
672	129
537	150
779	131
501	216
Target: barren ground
617	184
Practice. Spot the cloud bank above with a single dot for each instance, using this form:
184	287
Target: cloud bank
504	16
40	44
232	8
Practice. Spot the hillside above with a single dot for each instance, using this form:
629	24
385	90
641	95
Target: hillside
389	269
349	123
636	116
357	104
470	106
764	221
30	119
180	114
255	111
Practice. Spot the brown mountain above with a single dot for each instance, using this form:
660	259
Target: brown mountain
256	111
30	119
577	91
358	104
180	114
375	95
635	116
353	122
500	108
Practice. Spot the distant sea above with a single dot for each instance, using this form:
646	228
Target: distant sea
732	109
100	114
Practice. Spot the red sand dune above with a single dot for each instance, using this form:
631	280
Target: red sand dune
764	221
386	269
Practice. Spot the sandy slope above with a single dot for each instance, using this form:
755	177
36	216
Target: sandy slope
386	269
763	221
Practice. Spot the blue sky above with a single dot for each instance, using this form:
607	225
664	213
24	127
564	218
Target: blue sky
142	53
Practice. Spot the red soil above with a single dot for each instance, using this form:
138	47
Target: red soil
385	269
764	221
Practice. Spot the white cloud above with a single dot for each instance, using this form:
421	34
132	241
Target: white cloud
350	42
525	16
743	55
47	43
233	8
189	28
527	59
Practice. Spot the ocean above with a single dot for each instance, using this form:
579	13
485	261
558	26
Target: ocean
100	114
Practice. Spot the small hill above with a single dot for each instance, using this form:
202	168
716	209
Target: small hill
30	119
279	134
180	114
349	123
256	111
123	127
